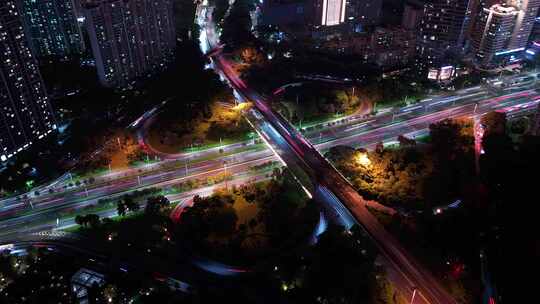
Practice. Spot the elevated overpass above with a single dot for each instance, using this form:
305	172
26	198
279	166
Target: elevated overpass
338	190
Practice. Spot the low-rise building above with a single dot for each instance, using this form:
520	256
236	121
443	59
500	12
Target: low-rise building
83	280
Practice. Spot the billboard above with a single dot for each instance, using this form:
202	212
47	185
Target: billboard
446	72
441	74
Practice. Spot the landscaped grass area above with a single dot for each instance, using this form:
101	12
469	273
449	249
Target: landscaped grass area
225	126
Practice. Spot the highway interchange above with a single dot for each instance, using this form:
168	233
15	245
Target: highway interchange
20	217
336	191
17	214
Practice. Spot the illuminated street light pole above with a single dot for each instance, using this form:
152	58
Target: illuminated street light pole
225	174
413	295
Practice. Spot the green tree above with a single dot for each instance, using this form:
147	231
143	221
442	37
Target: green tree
220	8
155	204
344	259
222	220
121	208
494	122
451	137
237	26
131	205
345	103
519	126
93	220
80	220
276	174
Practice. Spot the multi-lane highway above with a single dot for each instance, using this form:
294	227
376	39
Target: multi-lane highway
354	131
20	214
46	210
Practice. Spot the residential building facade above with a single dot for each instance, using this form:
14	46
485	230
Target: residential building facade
25	112
130	38
52	27
442	29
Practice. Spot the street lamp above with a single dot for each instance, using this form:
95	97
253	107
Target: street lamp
413	295
225	173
